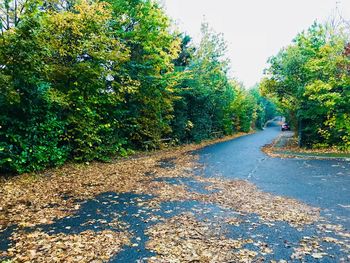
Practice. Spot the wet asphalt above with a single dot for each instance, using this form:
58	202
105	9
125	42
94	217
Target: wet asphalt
320	183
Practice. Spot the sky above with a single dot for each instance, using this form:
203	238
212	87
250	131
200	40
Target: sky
254	29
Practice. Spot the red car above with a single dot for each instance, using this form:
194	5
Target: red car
285	127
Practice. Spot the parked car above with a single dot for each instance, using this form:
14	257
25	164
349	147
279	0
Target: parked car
285	127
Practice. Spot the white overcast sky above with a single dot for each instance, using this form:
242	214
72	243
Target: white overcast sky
253	29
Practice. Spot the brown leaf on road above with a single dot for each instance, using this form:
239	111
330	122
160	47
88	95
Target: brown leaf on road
184	239
83	247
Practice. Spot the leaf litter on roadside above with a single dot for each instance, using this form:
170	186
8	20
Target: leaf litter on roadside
30	201
185	239
88	246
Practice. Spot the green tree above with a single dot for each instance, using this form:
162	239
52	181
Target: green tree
54	88
145	31
30	131
208	85
310	80
87	80
83	55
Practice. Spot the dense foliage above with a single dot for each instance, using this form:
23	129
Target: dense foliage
310	81
84	80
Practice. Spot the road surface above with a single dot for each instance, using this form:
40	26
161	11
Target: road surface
319	183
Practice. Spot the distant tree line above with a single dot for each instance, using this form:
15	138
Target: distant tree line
310	82
89	80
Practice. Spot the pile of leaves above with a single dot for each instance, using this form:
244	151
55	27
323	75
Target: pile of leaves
88	246
29	200
185	239
244	197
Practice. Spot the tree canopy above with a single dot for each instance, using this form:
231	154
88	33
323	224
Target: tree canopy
90	80
310	81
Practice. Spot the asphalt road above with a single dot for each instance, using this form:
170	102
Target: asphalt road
320	183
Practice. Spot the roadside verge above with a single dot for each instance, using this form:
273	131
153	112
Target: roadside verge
286	146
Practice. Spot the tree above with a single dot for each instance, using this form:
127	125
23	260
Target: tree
145	31
11	12
58	101
89	80
208	85
309	79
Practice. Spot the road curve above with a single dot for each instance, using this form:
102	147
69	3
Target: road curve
320	183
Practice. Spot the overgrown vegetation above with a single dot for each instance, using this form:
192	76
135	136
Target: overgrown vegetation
310	82
88	80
